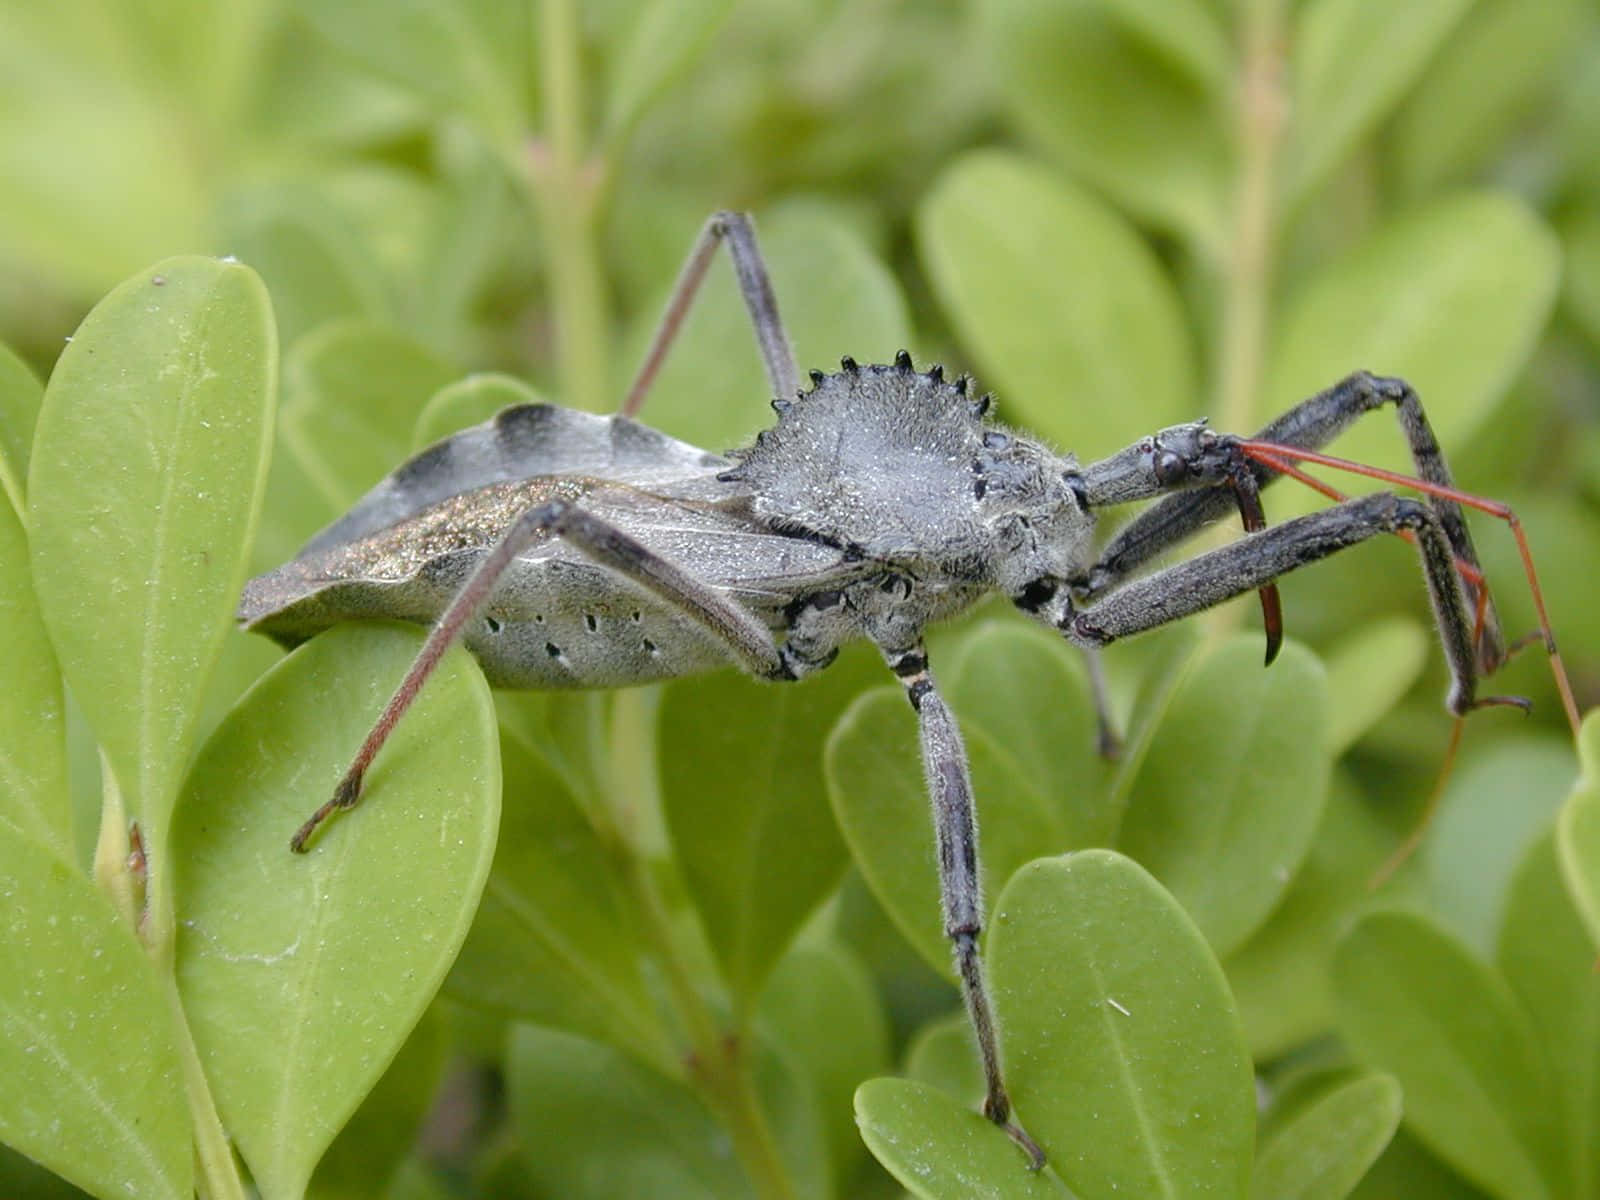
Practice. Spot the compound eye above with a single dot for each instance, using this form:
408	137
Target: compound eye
1170	468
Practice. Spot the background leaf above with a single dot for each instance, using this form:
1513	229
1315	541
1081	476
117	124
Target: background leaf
20	398
1227	798
1326	1149
1450	297
145	484
1393	44
663	40
1067	312
1413	1003
33	749
742	789
302	976
1059	66
1578	831
1548	961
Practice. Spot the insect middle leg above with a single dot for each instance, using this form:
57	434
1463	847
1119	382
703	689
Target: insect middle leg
944	763
748	640
755	285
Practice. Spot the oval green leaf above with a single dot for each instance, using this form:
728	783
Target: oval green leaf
1325	1150
837	298
663	40
1064	306
1547	957
1062	67
1451	297
1280	976
940	1150
1232	785
93	1088
1578	830
146	480
1392	42
302	976
33	746
351	396
1121	1044
743	794
1412	1002
554	941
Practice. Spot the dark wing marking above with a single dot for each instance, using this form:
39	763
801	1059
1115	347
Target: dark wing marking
521	443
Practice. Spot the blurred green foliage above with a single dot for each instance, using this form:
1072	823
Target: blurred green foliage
676	965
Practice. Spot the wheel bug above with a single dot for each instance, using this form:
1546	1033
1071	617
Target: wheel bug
573	550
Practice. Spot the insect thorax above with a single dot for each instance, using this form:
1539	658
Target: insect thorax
901	467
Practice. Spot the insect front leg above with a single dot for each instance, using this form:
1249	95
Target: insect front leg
944	763
1308	425
745	637
1209	579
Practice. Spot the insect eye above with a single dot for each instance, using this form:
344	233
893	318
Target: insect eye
1170	468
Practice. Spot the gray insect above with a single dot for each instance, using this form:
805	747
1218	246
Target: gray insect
569	550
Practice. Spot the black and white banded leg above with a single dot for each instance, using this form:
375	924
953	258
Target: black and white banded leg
944	763
746	638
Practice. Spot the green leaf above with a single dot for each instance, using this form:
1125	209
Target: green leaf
553	941
33	748
147	475
663	40
1229	794
1123	1051
1062	67
1325	1150
1413	1003
352	394
836	297
1187	33
594	1124
381	1133
1578	830
942	1151
743	794
467	402
1548	958
442	51
824	1014
93	1088
302	976
1582	277
1369	670
1451	297
1391	42
1280	976
1496	805
1497	68
1064	306
20	397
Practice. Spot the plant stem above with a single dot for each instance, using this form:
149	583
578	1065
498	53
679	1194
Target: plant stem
1249	269
218	1173
567	193
718	1066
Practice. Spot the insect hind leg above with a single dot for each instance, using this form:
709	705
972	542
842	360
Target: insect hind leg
744	635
